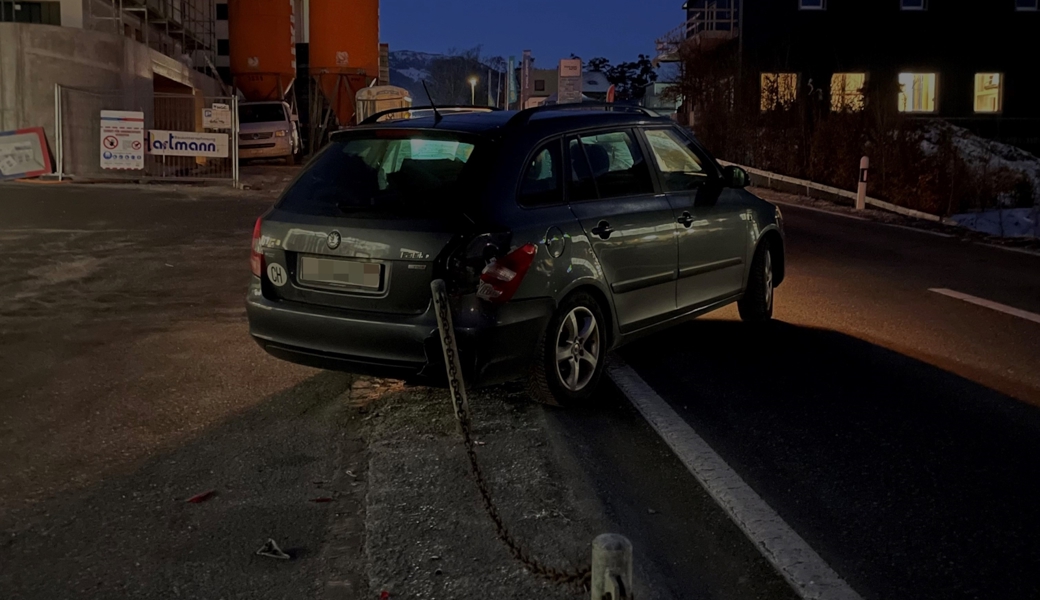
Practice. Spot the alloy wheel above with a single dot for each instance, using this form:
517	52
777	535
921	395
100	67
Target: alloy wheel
578	349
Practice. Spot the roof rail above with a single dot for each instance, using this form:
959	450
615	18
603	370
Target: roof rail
522	117
450	108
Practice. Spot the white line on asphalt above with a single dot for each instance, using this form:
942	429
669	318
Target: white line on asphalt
915	229
1025	251
792	557
1010	310
848	216
819	210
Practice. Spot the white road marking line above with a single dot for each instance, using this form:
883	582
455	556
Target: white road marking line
848	216
819	210
928	231
1010	310
789	554
1026	251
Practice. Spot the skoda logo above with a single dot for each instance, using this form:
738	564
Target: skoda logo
334	240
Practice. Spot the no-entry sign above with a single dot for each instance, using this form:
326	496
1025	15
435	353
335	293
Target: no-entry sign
122	140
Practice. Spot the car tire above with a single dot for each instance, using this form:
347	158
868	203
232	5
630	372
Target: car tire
756	306
290	161
578	326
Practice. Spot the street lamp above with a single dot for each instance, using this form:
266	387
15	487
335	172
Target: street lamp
473	91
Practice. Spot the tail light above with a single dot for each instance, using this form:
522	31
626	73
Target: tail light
256	257
502	276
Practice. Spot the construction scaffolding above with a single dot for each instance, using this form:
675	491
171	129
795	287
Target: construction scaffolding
707	27
182	29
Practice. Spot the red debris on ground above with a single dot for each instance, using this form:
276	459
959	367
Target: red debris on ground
197	498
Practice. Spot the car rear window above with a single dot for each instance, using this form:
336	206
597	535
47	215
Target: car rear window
390	173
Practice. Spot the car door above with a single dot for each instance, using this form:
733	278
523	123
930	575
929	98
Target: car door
631	230
711	222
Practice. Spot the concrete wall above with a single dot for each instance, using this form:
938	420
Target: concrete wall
35	57
99	71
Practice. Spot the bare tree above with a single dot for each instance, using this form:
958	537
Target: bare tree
450	76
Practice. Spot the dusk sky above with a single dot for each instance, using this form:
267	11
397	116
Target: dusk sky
552	29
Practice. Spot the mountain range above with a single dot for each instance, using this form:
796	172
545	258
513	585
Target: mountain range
408	69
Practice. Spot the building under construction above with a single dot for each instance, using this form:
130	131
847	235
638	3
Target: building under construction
127	50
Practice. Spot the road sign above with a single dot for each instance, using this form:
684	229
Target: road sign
23	153
187	143
217	117
570	81
122	140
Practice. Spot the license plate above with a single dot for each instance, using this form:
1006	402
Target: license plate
335	271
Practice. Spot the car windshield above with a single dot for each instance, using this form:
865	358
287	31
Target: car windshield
261	113
390	173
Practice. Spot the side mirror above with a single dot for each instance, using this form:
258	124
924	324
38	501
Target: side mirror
735	177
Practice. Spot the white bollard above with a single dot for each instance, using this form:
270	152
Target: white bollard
861	193
611	567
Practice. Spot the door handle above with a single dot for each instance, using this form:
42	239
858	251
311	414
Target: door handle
603	230
686	219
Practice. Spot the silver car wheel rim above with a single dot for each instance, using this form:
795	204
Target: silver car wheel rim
577	349
769	279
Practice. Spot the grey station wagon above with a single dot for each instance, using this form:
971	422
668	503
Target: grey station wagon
561	233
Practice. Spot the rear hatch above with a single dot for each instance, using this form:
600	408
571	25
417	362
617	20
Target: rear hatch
363	226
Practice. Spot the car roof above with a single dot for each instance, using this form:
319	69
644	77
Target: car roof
490	122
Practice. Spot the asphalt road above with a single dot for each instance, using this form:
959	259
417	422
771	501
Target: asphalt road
895	429
128	384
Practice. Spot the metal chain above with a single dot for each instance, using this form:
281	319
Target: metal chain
578	578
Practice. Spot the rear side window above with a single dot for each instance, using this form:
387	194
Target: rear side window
681	168
394	174
613	161
541	183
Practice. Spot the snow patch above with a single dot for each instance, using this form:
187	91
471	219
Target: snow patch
414	74
985	155
1003	222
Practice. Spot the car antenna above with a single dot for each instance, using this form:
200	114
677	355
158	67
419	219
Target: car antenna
436	115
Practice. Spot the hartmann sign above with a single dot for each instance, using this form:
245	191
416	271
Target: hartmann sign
187	143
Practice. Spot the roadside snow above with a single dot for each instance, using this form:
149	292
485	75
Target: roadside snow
985	155
1008	222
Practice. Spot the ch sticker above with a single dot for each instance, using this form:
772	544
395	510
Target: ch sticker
276	274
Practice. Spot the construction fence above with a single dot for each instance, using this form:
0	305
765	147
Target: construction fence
104	135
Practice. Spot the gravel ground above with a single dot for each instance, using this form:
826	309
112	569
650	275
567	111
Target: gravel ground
427	535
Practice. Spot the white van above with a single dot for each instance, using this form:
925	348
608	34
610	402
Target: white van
268	130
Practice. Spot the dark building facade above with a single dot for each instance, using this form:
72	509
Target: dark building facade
972	63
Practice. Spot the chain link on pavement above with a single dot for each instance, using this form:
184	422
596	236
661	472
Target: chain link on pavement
577	578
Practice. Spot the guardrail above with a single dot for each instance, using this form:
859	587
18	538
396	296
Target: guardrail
817	190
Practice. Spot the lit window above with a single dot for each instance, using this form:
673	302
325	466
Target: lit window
779	90
847	92
917	92
988	92
812	4
914	4
1027	5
